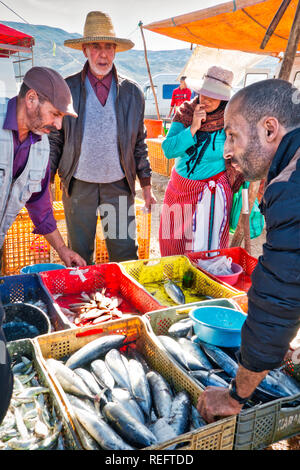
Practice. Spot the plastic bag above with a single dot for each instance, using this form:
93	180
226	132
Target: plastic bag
219	266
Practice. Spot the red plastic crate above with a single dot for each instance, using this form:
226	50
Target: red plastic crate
90	279
239	255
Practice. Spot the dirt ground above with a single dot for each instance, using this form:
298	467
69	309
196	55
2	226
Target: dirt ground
159	184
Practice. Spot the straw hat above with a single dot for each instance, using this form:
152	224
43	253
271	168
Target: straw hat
216	84
99	28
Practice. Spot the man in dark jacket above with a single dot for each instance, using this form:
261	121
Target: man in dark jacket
262	124
99	157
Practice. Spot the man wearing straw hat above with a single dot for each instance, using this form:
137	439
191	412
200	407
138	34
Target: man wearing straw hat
99	156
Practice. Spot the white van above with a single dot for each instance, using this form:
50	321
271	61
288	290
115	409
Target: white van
164	84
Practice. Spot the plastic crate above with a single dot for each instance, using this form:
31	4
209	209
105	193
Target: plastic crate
238	255
215	436
29	288
22	247
162	320
26	347
107	275
173	267
263	425
158	162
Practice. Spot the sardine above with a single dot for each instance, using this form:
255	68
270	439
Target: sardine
106	437
113	361
95	349
161	394
102	374
174	292
139	385
136	433
180	412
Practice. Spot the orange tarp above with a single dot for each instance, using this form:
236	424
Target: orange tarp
235	25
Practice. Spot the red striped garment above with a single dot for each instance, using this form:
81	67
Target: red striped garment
180	202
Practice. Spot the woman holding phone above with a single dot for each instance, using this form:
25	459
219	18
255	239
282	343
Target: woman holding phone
198	199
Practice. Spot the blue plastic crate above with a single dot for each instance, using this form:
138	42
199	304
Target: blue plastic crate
29	288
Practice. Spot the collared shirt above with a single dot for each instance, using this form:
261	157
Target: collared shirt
39	205
100	87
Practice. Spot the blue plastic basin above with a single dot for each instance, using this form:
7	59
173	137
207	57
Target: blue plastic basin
39	268
220	326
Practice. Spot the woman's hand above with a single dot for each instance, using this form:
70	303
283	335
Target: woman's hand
199	116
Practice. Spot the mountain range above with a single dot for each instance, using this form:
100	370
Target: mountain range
49	51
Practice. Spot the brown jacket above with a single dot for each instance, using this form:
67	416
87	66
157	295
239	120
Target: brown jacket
65	145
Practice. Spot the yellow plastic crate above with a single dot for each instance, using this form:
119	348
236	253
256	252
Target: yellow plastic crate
159	163
215	436
56	188
157	270
22	247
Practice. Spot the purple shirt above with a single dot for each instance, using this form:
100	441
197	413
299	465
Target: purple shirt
39	205
100	87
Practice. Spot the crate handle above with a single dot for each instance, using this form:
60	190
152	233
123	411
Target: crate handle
89	332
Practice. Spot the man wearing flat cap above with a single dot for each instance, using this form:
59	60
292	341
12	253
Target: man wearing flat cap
25	122
99	155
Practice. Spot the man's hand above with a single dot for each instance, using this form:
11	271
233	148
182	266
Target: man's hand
148	197
70	258
215	403
198	117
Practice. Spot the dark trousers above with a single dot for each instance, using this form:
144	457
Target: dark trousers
114	203
6	375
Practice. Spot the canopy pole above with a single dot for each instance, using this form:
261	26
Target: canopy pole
291	49
274	23
148	68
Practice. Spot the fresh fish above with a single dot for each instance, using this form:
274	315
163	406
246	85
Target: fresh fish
209	378
117	368
29	393
89	380
102	374
106	437
84	404
16	330
180	412
196	419
181	328
134	354
69	380
174	292
139	385
95	349
133	431
161	394
273	387
163	432
288	381
195	350
119	395
223	360
174	349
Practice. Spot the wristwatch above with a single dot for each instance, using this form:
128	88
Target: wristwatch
234	395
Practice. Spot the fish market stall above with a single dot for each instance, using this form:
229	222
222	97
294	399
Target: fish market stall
273	412
96	294
127	356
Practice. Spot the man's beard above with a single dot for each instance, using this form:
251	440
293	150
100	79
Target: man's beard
255	160
36	123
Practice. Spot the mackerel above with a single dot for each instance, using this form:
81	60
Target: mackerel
133	431
180	412
69	380
181	328
195	350
174	349
89	380
119	395
209	378
174	292
163	432
102	374
161	394
117	368
106	437
139	385
94	349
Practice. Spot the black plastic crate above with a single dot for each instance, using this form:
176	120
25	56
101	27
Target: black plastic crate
29	288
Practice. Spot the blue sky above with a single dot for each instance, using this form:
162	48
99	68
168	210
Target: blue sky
126	14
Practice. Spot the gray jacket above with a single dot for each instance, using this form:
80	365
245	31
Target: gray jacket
65	145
